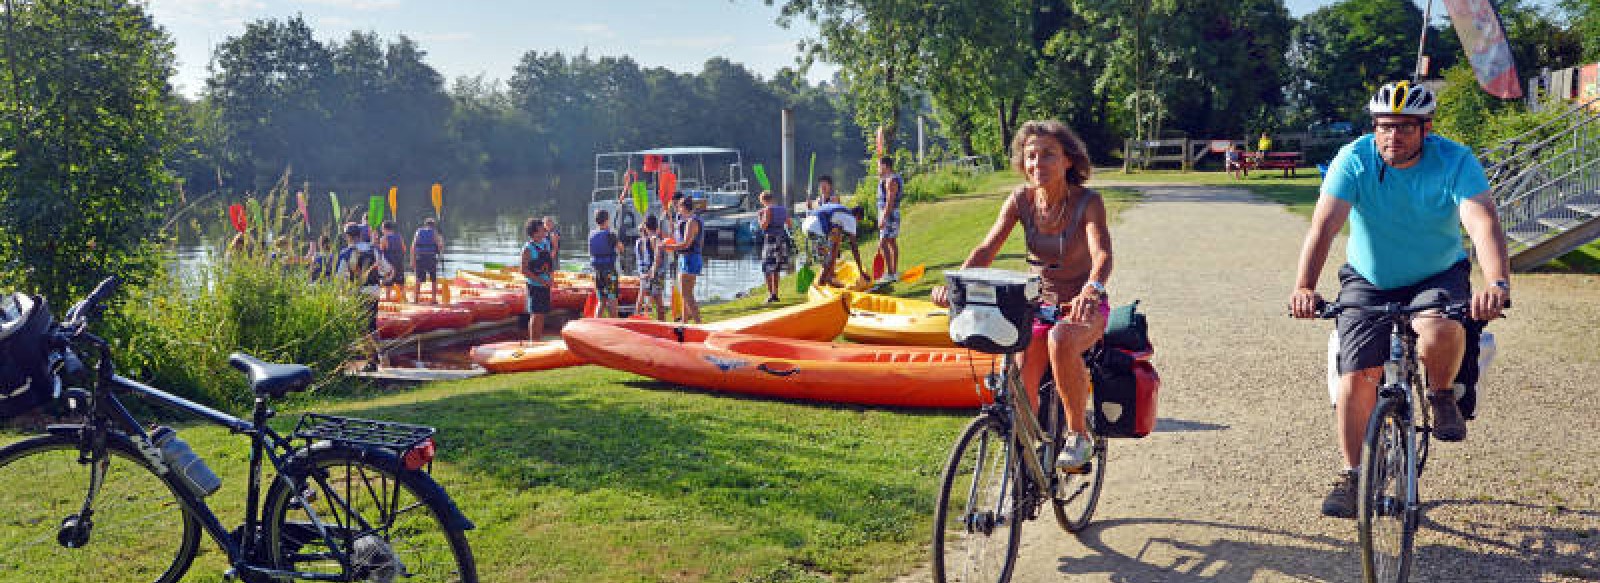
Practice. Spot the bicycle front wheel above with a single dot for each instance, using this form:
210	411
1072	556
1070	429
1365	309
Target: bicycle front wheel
137	528
1076	492
1386	508
387	522
976	528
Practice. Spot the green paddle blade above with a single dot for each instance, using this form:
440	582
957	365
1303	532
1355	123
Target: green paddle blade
493	265
641	198
803	278
375	211
761	176
811	175
256	217
338	211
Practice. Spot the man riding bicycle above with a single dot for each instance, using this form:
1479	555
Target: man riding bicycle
1407	193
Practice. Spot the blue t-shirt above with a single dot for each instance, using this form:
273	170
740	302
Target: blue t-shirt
1408	226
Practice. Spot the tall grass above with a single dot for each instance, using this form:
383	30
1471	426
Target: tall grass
178	330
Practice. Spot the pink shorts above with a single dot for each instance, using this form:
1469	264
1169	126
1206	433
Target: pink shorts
1041	330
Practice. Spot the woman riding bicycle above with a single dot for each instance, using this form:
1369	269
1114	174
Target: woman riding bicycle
1069	247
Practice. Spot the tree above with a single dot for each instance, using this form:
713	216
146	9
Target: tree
1345	51
85	124
1585	18
273	85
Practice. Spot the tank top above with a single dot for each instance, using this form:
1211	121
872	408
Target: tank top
1060	259
699	237
644	251
883	194
776	217
426	243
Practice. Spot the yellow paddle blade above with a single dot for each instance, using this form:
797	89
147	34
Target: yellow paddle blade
912	275
394	208
677	302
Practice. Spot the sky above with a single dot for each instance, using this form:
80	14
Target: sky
488	37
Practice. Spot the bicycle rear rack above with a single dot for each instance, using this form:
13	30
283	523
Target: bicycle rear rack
400	437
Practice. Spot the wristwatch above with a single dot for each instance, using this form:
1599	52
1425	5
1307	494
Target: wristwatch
1098	287
1503	284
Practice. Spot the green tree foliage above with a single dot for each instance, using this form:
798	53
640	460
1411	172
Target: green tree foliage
1343	52
85	123
1465	110
271	86
1585	18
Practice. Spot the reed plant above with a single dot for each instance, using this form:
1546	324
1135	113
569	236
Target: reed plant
176	331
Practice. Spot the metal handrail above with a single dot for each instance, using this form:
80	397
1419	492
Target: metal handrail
1512	143
1498	172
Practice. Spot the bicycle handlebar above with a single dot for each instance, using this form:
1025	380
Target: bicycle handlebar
1327	310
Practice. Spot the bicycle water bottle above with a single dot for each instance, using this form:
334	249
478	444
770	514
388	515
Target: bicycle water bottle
185	464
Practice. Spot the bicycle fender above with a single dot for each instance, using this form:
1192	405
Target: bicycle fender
387	459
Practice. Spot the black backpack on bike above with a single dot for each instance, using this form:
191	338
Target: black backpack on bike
25	380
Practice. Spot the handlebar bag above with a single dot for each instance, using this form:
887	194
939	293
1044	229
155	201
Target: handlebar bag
25	380
991	310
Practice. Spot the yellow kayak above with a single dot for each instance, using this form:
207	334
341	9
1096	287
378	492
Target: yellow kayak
888	320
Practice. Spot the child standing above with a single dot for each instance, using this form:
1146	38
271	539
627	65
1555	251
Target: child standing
393	247
647	250
604	246
538	263
425	247
1236	162
774	221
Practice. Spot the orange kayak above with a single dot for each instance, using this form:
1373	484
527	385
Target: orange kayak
788	369
524	356
392	325
817	320
483	310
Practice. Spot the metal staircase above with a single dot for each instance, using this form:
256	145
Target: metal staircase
1546	186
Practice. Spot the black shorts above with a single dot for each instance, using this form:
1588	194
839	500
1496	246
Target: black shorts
538	299
370	304
606	285
1364	337
427	268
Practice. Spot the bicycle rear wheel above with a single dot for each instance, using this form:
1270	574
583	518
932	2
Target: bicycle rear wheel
1076	493
387	520
138	529
976	530
1387	499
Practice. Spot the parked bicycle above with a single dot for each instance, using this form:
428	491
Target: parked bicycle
1002	468
1395	449
107	499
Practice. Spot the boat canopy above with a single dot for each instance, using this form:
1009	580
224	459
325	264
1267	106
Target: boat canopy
680	151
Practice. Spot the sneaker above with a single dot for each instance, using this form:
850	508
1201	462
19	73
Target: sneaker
772	299
1447	422
371	366
1341	502
1076	452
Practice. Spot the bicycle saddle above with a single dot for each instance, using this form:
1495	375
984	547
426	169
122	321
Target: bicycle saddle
267	379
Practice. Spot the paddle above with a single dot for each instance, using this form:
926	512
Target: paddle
761	176
804	277
641	198
236	216
375	212
877	266
668	186
255	214
591	306
912	275
811	175
394	209
305	215
337	210
437	193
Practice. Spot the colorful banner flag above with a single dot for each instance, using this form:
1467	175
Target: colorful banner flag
1484	39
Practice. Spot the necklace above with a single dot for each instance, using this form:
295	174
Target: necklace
1041	212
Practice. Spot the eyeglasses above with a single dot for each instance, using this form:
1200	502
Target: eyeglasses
1402	129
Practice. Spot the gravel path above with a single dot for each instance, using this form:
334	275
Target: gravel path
1229	487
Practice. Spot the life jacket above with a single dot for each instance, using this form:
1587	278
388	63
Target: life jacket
427	242
360	263
603	249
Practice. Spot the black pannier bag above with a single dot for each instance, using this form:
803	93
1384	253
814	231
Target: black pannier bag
1126	385
991	310
25	380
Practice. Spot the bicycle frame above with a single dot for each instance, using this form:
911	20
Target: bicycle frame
105	414
1011	402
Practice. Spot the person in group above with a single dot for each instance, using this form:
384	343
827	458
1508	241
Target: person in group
320	258
604	247
1069	246
1264	144
648	255
689	244
774	222
1235	162
240	246
1407	194
358	261
554	235
538	270
890	188
426	244
393	247
825	194
834	242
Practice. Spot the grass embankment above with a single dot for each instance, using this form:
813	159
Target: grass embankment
588	474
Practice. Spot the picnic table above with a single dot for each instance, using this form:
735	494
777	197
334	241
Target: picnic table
1286	161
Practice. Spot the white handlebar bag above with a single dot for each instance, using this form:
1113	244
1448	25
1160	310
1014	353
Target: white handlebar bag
992	309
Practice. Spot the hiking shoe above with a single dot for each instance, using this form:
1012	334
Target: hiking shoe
1341	502
1447	422
371	366
772	299
1075	453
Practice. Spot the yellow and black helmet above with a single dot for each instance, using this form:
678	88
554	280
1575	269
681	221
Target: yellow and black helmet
1402	98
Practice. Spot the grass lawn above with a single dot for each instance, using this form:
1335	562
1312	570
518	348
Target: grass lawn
588	474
